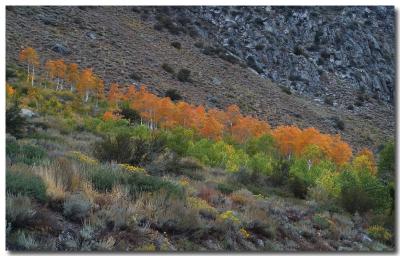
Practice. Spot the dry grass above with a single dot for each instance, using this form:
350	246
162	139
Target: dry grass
55	185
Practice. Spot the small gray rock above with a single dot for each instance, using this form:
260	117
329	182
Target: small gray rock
60	48
27	113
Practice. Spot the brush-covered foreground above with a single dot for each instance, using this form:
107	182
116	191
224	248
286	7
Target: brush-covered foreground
82	177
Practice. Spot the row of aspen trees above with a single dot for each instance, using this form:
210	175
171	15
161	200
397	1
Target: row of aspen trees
162	112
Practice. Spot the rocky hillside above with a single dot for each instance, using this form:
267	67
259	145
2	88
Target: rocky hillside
156	46
307	49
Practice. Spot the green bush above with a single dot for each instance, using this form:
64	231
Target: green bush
321	221
141	183
380	233
123	148
386	163
226	188
298	186
65	125
113	127
264	144
15	123
280	172
103	178
91	124
168	68
173	94
25	183
310	172
218	154
130	114
177	45
52	106
361	191
261	163
25	153
178	139
184	75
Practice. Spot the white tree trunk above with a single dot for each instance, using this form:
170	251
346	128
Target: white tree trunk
87	96
33	73
27	78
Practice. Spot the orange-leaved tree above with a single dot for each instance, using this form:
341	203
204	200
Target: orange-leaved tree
10	91
114	95
86	83
50	68
232	115
60	70
72	75
285	137
30	56
98	89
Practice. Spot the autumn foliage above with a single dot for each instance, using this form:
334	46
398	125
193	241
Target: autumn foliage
162	112
30	56
292	140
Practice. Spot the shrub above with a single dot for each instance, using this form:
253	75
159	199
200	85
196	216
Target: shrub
131	115
226	188
184	166
298	186
177	45
201	205
122	148
328	101
173	94
329	182
25	153
15	123
261	163
184	75
386	163
380	233
52	106
168	68
64	125
242	197
285	90
264	144
178	139
361	191
25	241
19	210
298	50
259	47
138	183
218	154
280	172
135	76
229	216
10	72
207	193
338	123
321	221
25	183
77	206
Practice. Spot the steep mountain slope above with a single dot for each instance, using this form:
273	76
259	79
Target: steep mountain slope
122	45
302	46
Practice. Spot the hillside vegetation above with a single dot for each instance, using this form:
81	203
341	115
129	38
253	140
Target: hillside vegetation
132	171
301	86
